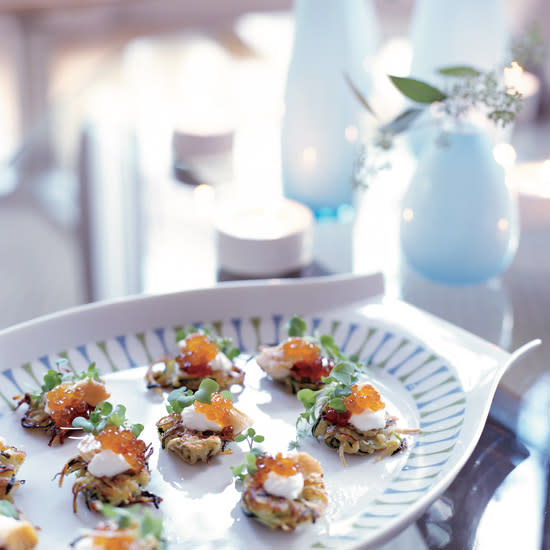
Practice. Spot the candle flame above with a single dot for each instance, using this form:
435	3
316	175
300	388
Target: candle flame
351	133
408	214
309	157
504	154
513	76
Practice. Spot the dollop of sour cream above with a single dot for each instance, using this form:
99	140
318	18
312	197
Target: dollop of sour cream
369	420
280	486
106	463
221	362
87	447
195	420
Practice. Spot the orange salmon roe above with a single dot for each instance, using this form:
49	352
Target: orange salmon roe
280	465
125	443
218	410
363	397
307	359
195	357
298	349
65	403
113	541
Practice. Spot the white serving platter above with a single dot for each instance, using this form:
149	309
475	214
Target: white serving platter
432	375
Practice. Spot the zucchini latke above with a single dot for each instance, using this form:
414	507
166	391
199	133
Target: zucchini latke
63	396
284	492
199	426
11	459
300	361
112	463
350	417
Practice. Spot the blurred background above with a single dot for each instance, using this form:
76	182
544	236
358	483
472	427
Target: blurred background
108	106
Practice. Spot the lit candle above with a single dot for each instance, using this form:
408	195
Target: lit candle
309	156
264	240
528	85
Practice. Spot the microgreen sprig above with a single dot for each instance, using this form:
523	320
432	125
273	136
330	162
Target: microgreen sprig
297	327
7	509
225	344
338	385
182	397
249	466
106	415
148	524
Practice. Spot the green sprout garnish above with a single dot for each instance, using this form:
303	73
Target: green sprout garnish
249	466
106	415
54	378
8	509
148	524
182	397
338	385
297	327
225	344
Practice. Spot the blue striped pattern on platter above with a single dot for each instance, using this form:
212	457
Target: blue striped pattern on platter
430	383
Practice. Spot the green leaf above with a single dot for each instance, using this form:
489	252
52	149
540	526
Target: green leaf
402	122
206	389
136	429
296	327
240	437
250	459
232	353
106	408
237	471
259	438
100	426
342	392
251	432
181	335
180	399
92	373
52	379
108	510
83	424
227	394
337	403
460	71
150	525
359	96
307	397
418	91
8	509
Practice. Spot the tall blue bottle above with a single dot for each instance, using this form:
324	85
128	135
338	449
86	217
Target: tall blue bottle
321	124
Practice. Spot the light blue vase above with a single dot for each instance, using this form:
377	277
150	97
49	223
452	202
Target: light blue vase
321	124
446	33
459	220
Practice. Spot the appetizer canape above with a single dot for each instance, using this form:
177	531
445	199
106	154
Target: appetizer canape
124	529
111	465
300	361
200	425
280	491
201	355
10	462
16	533
62	398
351	417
